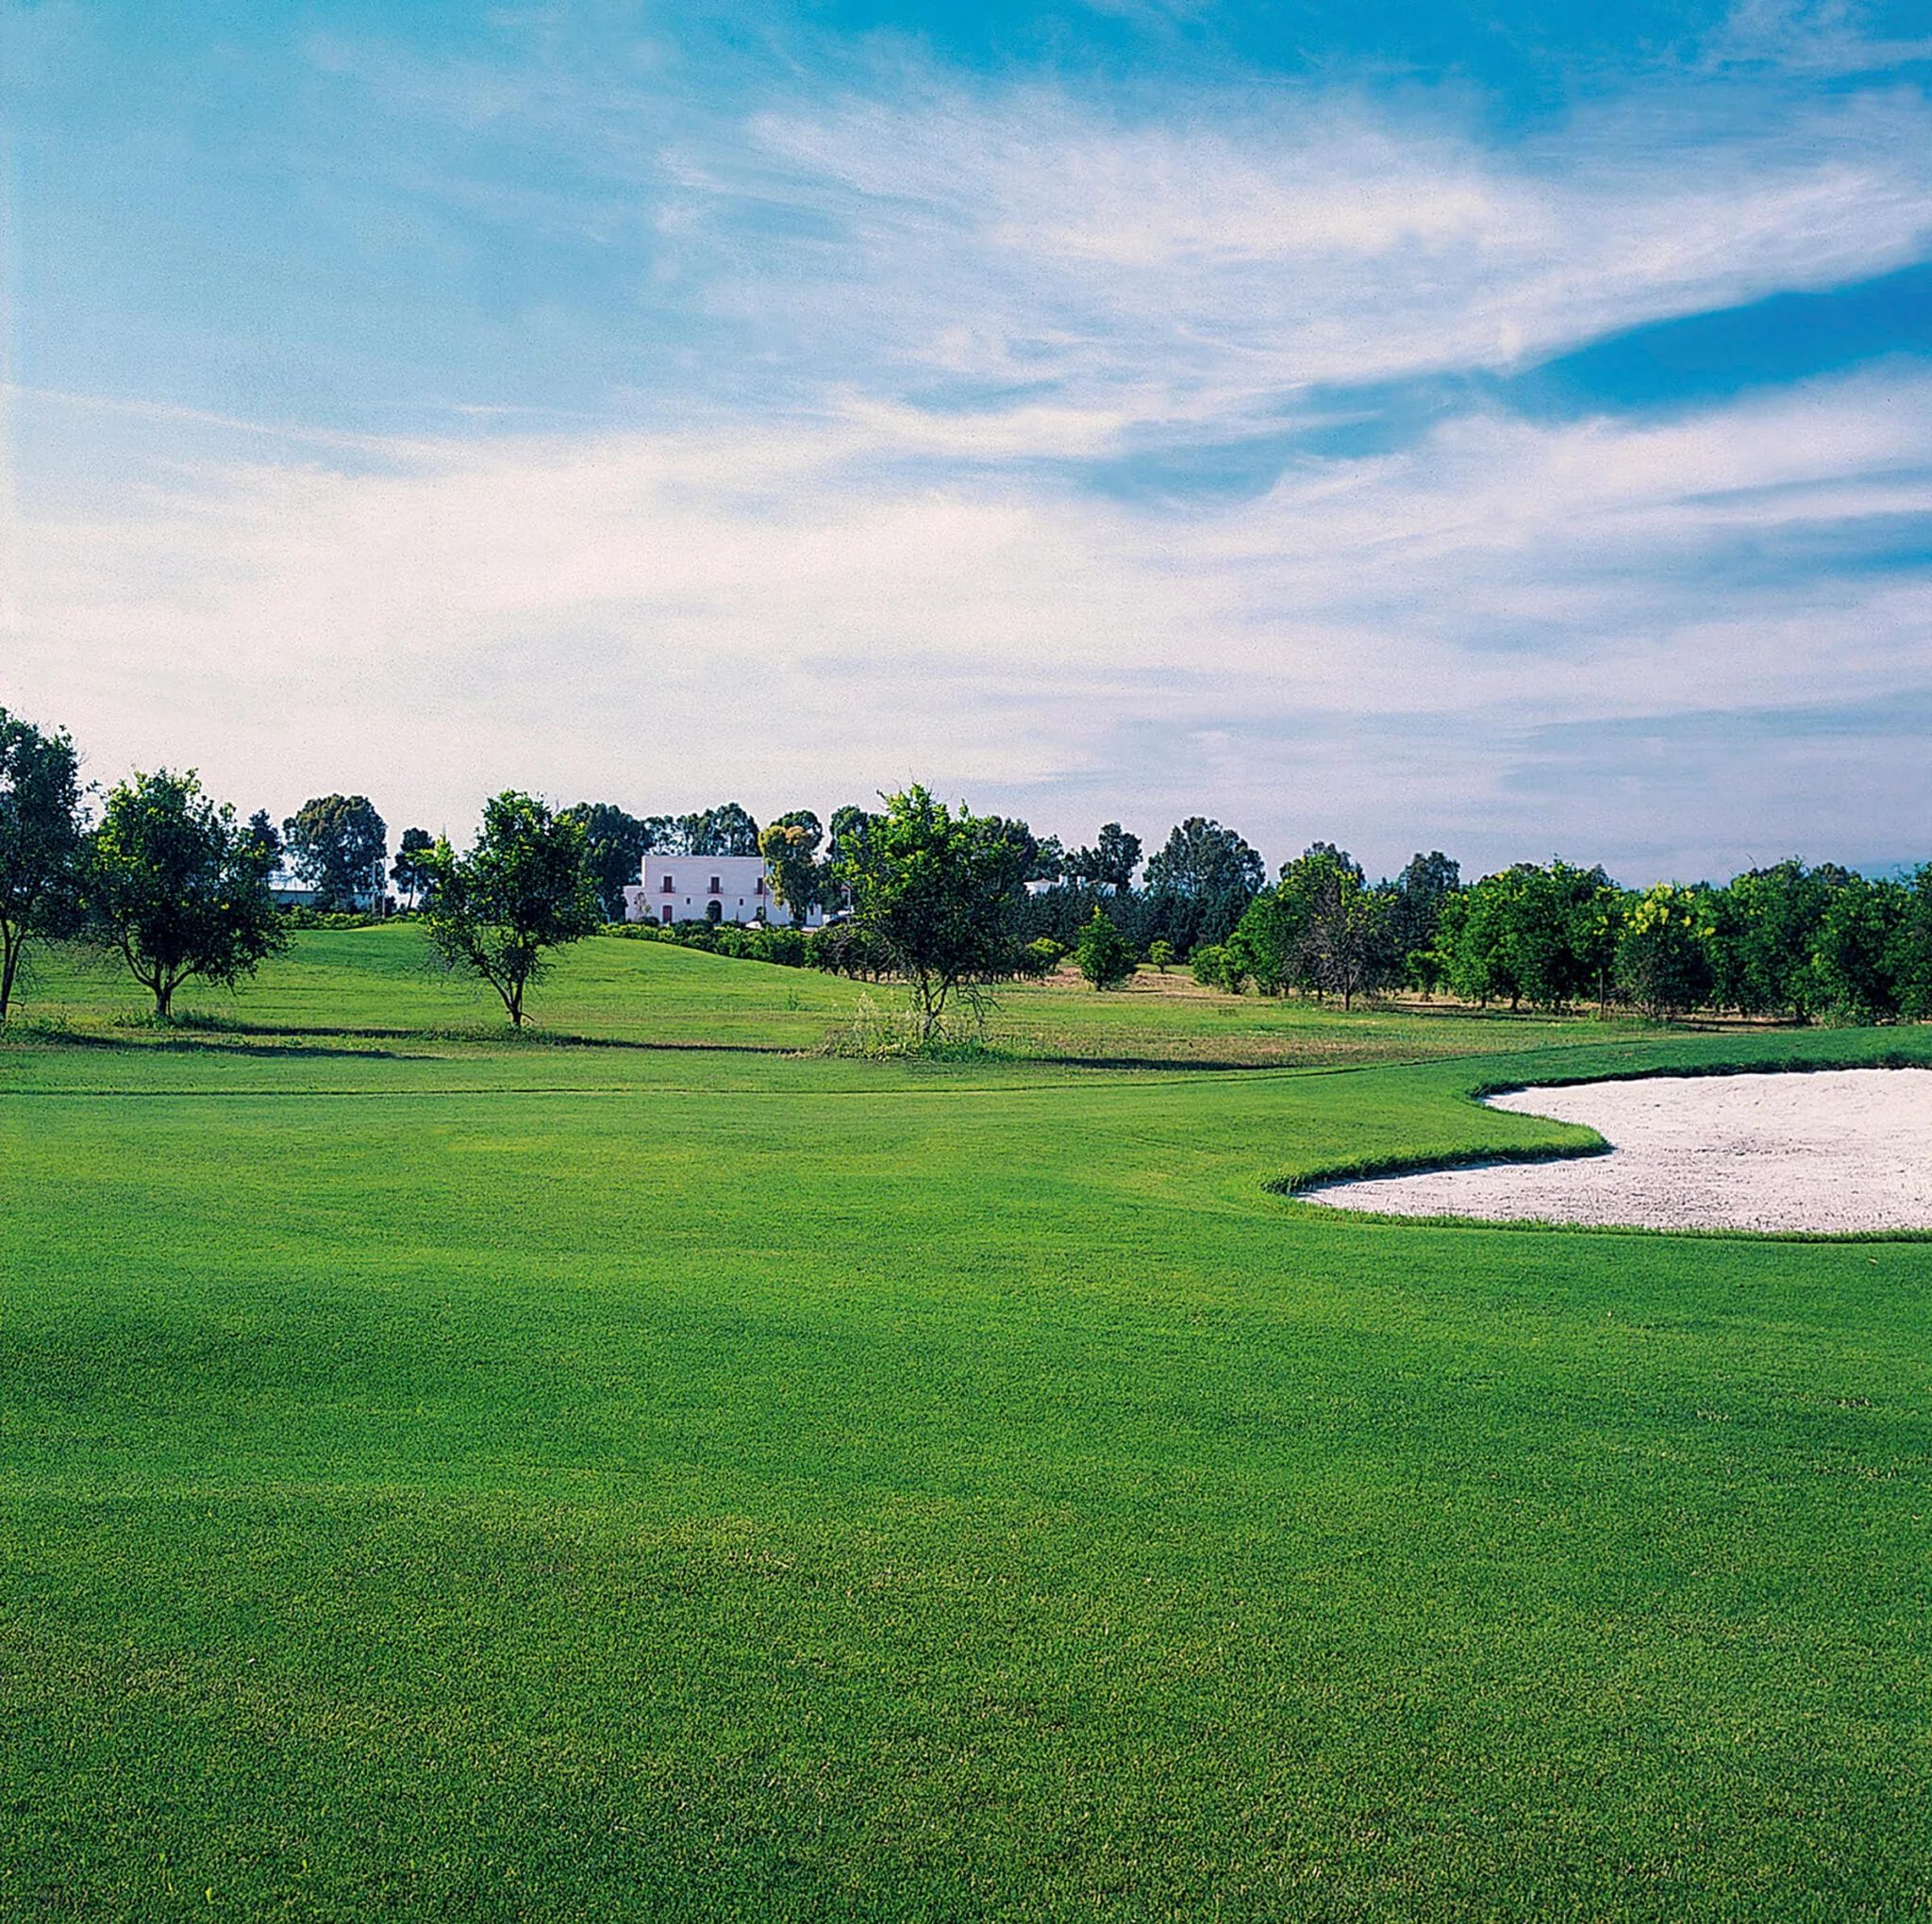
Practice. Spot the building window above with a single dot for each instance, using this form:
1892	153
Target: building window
717	887
758	888
668	885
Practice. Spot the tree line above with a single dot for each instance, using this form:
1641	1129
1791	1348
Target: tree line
1789	942
944	901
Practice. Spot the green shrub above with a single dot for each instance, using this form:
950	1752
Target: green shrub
1106	956
301	917
789	948
1041	957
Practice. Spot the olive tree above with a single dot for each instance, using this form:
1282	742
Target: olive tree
40	839
935	893
179	886
524	890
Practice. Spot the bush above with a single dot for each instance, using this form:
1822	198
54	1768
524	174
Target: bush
1041	957
1208	963
1105	958
874	1033
301	917
787	948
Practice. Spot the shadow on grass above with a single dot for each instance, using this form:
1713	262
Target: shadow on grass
525	1038
198	1032
1187	1063
1367	1168
196	1044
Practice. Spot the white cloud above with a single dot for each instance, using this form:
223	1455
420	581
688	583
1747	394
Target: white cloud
1189	275
783	615
1186	269
1816	37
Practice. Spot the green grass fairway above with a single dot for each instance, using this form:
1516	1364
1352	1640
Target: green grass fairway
657	1475
379	984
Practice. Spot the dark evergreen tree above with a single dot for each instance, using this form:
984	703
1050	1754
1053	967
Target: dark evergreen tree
413	870
615	844
338	845
1199	884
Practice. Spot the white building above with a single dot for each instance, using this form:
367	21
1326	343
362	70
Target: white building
734	888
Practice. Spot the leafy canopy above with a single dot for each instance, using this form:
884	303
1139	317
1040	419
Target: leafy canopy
337	843
173	881
934	894
726	830
522	889
791	849
410	870
40	837
615	844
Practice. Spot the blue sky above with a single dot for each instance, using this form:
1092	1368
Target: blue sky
1410	426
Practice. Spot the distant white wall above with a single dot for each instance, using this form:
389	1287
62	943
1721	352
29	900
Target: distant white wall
675	888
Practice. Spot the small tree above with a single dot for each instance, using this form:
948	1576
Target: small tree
1663	951
934	896
1161	954
524	888
178	887
40	839
1103	955
337	844
1041	957
615	844
1240	963
1856	949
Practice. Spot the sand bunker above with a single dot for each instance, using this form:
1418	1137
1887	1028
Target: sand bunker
1836	1150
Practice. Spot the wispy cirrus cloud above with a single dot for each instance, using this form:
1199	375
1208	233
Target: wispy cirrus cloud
1202	277
1192	257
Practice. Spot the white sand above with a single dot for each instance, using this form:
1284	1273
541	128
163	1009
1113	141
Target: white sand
1833	1149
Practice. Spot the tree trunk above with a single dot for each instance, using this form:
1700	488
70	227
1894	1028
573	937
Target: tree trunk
10	945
